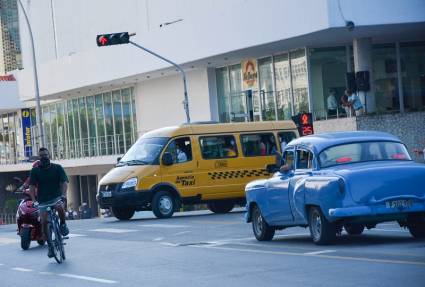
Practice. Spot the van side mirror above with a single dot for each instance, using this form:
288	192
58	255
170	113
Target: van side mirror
118	159
167	159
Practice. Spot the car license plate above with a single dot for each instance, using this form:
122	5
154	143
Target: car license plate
106	194
400	203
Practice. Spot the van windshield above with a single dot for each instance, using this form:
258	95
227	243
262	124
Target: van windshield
144	151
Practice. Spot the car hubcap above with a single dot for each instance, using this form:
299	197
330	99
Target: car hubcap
258	221
316	225
165	205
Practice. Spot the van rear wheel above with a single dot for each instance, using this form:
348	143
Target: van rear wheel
163	204
123	213
221	207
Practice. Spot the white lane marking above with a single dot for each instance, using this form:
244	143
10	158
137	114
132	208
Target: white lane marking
181	233
22	269
72	235
319	252
169	244
158	239
336	257
114	230
5	240
161	225
94	279
388	230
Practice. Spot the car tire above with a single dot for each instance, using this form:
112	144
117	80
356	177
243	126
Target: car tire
221	207
123	213
321	230
25	238
262	231
163	204
417	229
354	229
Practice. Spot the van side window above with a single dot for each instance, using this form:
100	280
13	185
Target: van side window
304	159
214	147
180	149
285	138
258	144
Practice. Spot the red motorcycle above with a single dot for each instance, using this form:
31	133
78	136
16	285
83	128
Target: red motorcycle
28	220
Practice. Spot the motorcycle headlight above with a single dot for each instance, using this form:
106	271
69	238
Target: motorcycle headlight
129	183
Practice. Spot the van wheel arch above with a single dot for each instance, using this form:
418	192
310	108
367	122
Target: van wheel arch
170	189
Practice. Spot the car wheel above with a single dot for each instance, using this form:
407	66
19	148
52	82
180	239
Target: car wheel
354	229
262	231
221	207
123	213
417	229
25	238
321	230
163	204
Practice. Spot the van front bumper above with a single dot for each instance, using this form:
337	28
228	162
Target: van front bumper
137	199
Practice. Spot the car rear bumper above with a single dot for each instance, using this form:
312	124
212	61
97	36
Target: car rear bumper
375	210
137	199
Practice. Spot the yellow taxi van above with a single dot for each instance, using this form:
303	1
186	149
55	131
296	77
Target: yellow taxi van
195	163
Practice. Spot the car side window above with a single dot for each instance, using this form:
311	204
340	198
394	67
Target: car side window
258	144
288	159
180	149
216	147
304	159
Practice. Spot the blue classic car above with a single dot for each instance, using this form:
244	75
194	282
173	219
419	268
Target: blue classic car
332	181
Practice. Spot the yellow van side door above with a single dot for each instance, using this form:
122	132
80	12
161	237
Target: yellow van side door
182	173
219	167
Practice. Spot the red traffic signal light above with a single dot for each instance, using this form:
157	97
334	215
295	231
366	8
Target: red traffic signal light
112	39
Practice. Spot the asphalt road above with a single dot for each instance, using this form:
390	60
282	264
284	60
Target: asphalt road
205	249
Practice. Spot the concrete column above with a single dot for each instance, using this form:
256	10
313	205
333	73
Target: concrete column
73	195
362	49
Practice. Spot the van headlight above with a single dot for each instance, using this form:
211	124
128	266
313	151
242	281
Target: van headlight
129	183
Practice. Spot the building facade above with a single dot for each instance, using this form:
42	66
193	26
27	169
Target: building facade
10	47
241	66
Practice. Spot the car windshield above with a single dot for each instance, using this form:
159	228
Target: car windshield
363	151
144	151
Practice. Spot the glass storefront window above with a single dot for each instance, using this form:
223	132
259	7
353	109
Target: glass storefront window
53	147
91	126
126	108
413	72
133	111
119	133
328	68
385	78
237	96
100	122
71	128
267	101
299	81
283	87
223	90
77	128
109	124
46	125
61	145
83	126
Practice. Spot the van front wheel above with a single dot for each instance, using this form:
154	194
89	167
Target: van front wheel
163	204
123	213
221	207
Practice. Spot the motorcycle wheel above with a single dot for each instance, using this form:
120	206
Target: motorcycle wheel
25	238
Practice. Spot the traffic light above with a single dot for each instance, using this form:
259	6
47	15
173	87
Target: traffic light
112	39
304	123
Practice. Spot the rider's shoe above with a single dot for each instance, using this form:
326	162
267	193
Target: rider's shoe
64	229
50	254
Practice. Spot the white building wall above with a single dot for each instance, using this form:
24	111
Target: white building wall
159	101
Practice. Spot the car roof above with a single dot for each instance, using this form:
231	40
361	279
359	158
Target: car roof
319	142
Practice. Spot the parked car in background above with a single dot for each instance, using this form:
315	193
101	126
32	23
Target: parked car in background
332	181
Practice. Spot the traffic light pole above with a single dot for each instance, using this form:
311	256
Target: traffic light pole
37	91
186	100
